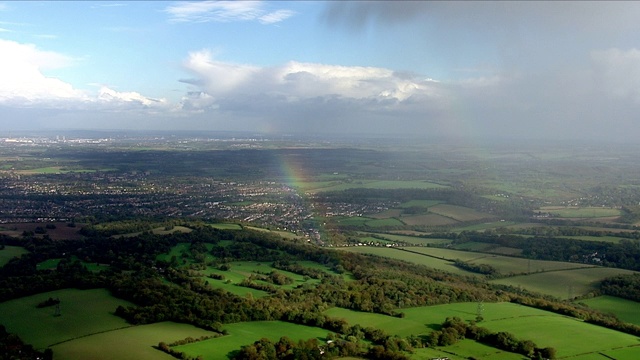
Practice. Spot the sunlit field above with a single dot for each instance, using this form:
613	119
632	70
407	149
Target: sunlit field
570	337
82	312
625	310
241	334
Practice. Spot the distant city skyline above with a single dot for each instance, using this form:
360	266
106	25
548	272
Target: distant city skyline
561	70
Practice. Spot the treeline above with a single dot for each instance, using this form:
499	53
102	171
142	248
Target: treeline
555	231
624	254
623	286
484	269
13	348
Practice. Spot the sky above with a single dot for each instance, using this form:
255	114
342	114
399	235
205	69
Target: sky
523	69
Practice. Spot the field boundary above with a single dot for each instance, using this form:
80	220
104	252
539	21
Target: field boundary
91	334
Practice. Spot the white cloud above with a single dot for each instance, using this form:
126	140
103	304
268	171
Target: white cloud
224	11
22	79
111	96
298	96
25	85
295	80
276	16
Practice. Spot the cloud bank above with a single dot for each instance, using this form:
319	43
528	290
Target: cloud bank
24	83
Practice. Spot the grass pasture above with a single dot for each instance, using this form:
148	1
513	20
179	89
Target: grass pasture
50	264
581	212
283	234
9	252
134	343
366	221
609	239
458	213
384	222
484	226
177	251
226	226
391	213
246	333
625	310
411	239
570	337
83	312
428	220
563	283
504	264
420	203
395	253
463	350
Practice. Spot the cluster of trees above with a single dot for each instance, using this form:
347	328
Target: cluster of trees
484	269
299	269
285	348
556	231
49	302
624	286
12	347
273	277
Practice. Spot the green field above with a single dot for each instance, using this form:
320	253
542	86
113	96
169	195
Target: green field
390	213
9	252
581	212
458	213
395	253
610	239
555	278
132	343
570	337
83	312
463	350
625	310
410	239
384	222
177	251
48	264
504	264
226	226
564	283
366	221
484	226
428	220
245	334
283	234
420	203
